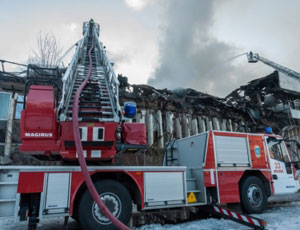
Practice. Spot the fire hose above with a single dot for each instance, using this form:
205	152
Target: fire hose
90	185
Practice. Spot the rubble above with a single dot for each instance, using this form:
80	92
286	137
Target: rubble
268	103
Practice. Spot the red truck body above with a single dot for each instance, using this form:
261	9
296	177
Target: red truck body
43	134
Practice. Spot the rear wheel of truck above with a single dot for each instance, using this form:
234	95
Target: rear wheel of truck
116	198
253	195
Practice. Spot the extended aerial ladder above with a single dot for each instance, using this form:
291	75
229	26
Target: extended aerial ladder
99	101
255	57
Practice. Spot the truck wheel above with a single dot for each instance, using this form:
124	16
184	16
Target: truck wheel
116	198
253	195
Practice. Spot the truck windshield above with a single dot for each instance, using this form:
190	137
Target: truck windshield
278	151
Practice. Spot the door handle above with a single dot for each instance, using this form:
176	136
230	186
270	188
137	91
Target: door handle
274	177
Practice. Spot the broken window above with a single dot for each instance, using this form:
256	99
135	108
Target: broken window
4	105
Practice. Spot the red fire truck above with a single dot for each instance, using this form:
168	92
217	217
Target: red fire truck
210	168
85	123
237	167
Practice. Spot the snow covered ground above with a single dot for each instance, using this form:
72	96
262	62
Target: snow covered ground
278	217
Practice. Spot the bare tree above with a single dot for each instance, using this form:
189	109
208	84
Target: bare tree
47	51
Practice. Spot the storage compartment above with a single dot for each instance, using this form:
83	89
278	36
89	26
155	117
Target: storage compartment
164	188
8	192
57	193
134	133
232	151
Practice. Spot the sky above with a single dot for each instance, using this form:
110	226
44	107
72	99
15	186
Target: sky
165	43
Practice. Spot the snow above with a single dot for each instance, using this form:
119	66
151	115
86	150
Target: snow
278	217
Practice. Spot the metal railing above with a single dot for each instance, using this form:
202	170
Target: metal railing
69	78
111	80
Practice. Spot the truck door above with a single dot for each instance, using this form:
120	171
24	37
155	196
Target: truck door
281	168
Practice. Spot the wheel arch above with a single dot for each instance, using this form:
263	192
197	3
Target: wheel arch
123	177
258	174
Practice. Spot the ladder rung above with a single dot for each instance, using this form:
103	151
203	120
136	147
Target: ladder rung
85	119
87	97
7	200
94	102
95	112
194	191
94	107
105	113
86	94
8	183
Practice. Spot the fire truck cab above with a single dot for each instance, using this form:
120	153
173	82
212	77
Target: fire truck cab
236	167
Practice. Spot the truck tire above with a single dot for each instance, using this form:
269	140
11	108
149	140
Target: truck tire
116	198
253	195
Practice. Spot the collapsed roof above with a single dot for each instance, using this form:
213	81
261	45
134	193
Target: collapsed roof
273	101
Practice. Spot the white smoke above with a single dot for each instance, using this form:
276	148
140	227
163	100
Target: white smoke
137	4
190	56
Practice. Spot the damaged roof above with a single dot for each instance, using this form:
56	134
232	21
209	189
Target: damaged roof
273	100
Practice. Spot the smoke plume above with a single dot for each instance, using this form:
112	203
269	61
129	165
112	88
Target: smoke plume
189	56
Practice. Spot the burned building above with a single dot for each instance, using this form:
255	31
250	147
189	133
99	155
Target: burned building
273	101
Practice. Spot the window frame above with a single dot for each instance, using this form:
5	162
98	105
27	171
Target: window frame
285	152
16	104
282	152
9	104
